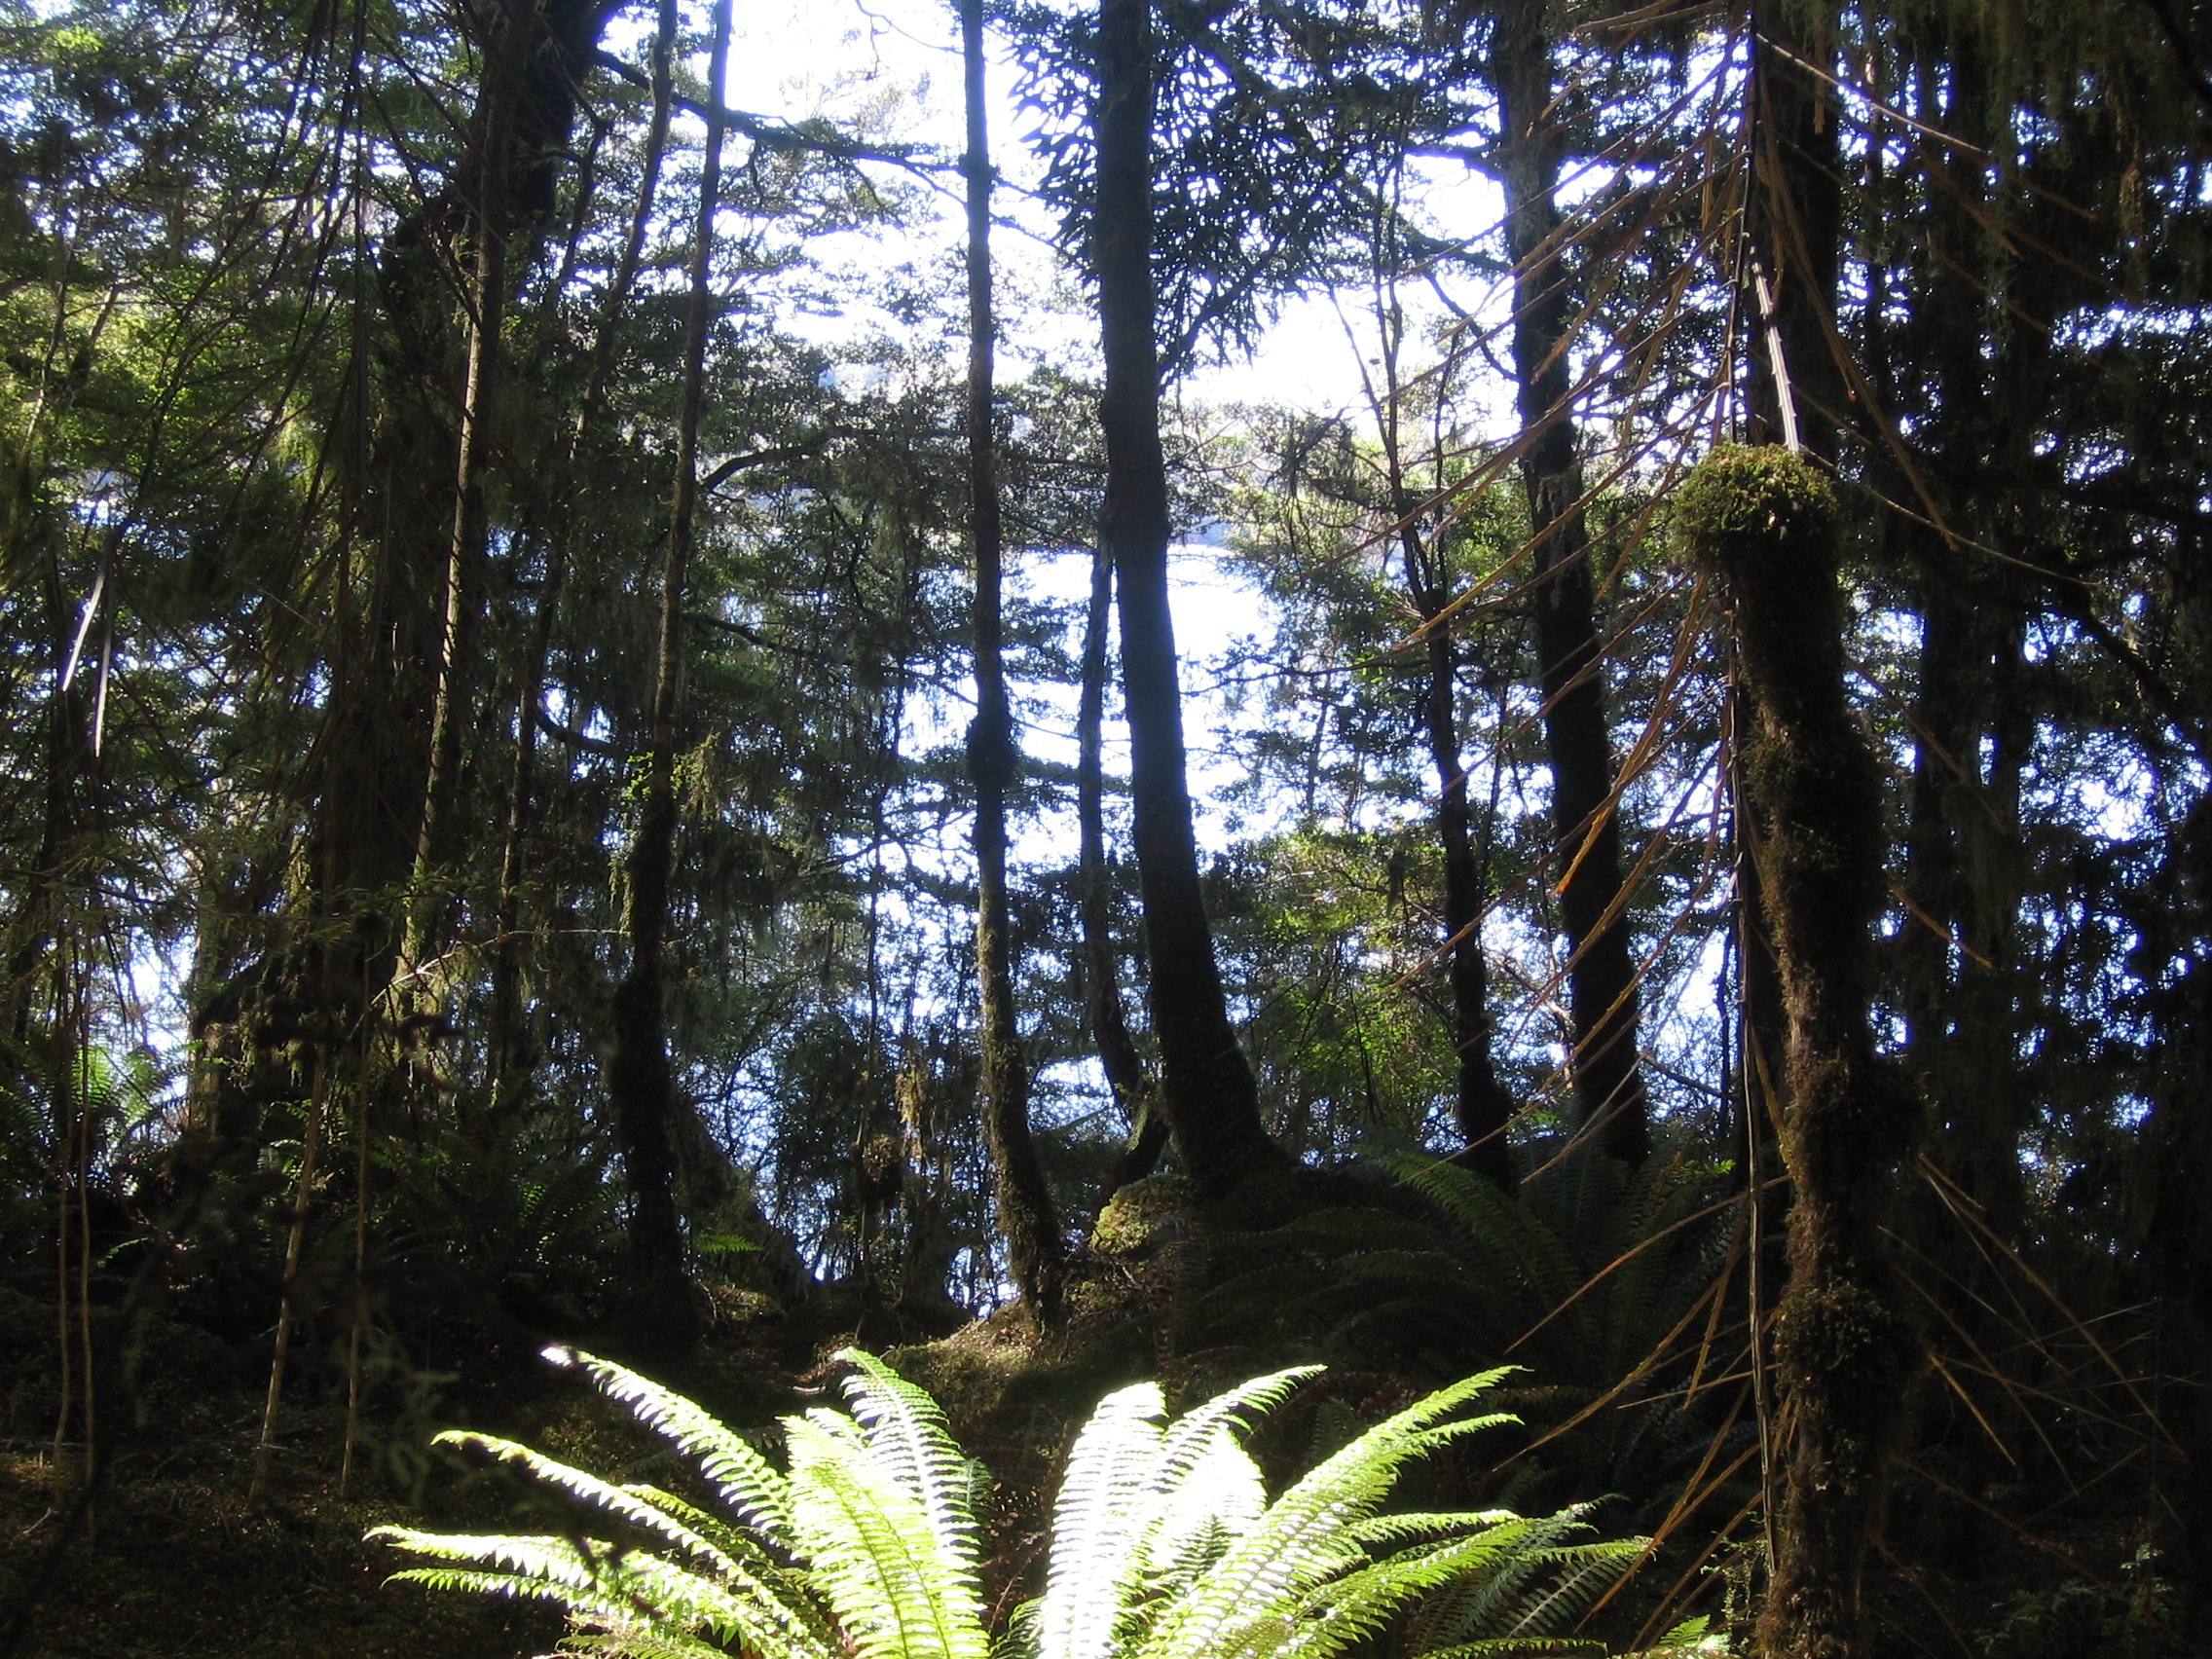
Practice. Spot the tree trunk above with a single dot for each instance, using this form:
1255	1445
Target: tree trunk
1602	979
1482	1109
1118	1055
1844	1351
1027	1220
455	639
640	1080
509	1044
1208	1091
2177	1252
1794	214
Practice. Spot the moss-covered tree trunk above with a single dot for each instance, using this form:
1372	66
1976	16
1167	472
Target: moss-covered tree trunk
1207	1090
1602	978
1027	1220
1844	1350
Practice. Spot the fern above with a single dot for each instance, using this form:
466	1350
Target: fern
1165	1545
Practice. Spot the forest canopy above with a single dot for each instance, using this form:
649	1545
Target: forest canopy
596	748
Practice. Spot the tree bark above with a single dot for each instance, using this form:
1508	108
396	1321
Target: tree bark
1207	1090
1133	1091
1844	1350
1027	1220
639	1080
1601	979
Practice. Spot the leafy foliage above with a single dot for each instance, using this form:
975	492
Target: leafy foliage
1165	1542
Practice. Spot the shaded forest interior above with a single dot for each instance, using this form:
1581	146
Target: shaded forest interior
552	796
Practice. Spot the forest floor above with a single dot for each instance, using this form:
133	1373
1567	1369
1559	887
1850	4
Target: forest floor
182	1558
178	1562
178	1559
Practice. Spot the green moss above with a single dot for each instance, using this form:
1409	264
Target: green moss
1145	1215
1740	504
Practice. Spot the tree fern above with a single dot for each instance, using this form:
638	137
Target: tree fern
1165	1545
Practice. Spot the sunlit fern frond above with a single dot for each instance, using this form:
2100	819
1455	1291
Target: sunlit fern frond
1166	1544
873	1552
632	1596
839	1557
1144	1508
1270	1583
910	1441
757	1495
627	1504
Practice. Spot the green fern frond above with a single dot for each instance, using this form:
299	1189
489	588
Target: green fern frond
644	1644
1092	1524
1143	1510
624	1504
1301	1542
1166	1546
756	1495
1418	1528
1362	1602
893	1584
602	1583
910	1441
734	1541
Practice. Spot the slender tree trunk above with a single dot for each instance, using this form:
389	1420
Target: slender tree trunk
1026	1216
511	1056
1844	1351
1208	1091
1482	1109
1795	218
1601	979
1118	1055
640	1078
463	601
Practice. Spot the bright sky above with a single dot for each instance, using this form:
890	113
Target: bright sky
896	62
